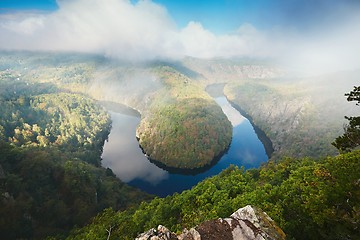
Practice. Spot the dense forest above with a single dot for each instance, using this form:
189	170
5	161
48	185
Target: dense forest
50	176
308	198
188	134
49	191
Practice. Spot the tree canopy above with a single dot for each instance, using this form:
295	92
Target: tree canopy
351	138
187	135
50	152
309	199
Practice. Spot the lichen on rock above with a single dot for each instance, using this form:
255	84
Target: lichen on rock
246	223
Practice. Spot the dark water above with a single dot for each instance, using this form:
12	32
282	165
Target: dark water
123	155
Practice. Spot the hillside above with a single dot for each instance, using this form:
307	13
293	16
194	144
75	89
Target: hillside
183	128
153	89
300	115
308	198
284	107
52	129
50	175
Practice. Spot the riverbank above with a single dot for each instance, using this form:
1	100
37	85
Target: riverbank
217	90
126	159
265	140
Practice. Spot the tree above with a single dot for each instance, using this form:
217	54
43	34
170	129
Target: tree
351	138
354	95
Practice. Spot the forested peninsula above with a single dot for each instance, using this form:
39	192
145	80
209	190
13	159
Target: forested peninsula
184	128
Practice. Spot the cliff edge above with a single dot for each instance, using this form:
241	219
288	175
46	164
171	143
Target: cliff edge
244	224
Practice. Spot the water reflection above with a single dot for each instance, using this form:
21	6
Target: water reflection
123	155
234	116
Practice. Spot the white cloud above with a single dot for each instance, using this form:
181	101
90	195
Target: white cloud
119	28
199	42
144	31
325	48
113	27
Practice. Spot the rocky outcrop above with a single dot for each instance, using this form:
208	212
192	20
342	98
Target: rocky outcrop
244	224
161	233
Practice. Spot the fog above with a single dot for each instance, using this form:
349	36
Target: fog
132	86
325	41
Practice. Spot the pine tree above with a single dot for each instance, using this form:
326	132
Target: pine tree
351	138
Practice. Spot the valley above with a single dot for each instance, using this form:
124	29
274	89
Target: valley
55	120
122	154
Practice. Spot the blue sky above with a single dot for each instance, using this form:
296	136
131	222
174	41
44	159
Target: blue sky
224	16
315	34
10	5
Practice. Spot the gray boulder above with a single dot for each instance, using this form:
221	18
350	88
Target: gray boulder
244	224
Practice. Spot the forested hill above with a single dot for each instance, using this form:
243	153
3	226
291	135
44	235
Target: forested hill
50	151
301	116
47	191
308	198
152	88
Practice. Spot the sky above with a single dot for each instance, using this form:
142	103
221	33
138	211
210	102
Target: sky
321	34
221	16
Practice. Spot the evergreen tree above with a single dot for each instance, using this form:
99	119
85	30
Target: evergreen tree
351	138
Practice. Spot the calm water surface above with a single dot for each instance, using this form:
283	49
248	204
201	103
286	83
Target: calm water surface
123	155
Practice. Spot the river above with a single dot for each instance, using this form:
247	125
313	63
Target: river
123	155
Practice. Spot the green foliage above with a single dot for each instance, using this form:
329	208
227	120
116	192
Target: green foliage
188	134
47	184
351	138
308	199
354	95
183	127
47	191
50	148
160	86
31	118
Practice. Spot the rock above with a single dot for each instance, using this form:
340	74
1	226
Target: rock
162	233
260	220
147	235
190	235
244	224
